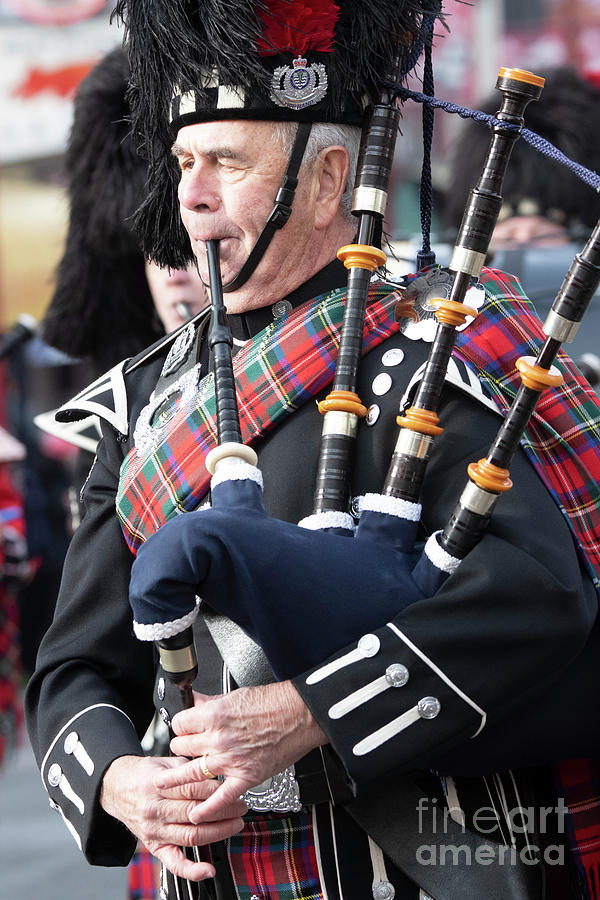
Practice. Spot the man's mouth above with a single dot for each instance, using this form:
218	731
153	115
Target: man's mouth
184	310
202	239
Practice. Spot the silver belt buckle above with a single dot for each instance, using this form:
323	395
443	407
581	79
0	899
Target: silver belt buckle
280	793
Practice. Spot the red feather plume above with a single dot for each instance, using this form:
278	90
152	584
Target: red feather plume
298	26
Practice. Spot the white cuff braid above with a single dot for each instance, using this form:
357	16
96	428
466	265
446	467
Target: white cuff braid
439	557
329	519
158	631
236	471
392	506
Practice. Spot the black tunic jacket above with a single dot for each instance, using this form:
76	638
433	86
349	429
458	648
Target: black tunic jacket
496	636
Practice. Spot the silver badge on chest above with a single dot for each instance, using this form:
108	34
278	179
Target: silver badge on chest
433	284
277	794
179	350
299	85
151	429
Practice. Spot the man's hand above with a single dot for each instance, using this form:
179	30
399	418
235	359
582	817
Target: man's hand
161	817
247	736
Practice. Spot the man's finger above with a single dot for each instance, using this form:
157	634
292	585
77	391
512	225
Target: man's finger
178	864
188	773
228	793
192	835
189	745
190	790
190	721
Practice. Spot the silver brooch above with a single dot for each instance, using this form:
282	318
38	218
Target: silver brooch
299	85
277	794
149	432
422	324
180	348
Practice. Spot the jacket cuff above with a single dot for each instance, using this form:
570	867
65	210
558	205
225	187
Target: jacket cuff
385	704
72	772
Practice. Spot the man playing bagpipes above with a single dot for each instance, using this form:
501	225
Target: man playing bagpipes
358	716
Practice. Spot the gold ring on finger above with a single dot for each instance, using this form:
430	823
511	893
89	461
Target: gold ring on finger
204	766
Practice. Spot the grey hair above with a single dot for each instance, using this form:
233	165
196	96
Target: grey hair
322	135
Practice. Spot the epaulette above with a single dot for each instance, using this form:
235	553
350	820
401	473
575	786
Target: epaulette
83	433
106	397
459	375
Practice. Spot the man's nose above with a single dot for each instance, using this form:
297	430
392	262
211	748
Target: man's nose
197	190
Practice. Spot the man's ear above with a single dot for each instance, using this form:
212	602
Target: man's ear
332	170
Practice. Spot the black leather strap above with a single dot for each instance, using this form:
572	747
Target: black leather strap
280	212
321	778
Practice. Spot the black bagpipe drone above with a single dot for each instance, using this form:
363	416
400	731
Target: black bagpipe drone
230	555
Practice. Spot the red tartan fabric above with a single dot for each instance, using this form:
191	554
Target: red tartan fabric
143	876
562	441
562	438
579	785
274	856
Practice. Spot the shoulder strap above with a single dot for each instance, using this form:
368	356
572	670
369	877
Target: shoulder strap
107	396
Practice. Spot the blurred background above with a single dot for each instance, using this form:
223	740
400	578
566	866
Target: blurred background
46	49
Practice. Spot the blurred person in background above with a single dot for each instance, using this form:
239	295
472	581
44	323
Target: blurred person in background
543	202
109	303
103	307
15	568
547	211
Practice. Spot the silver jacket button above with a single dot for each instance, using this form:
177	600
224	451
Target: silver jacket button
281	308
71	741
54	774
392	357
383	890
429	707
381	384
160	688
373	414
396	675
369	645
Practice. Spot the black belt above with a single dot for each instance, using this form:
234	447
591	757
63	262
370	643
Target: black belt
322	779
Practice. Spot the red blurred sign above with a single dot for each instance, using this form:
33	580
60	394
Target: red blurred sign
61	81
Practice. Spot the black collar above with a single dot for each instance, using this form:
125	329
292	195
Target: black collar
246	325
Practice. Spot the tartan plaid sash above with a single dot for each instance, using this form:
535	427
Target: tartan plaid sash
562	439
276	372
291	361
562	442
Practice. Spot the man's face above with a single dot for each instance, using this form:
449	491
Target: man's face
230	174
178	294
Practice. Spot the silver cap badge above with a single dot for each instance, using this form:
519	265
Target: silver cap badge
299	85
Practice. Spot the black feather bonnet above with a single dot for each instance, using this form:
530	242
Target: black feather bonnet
274	60
102	308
